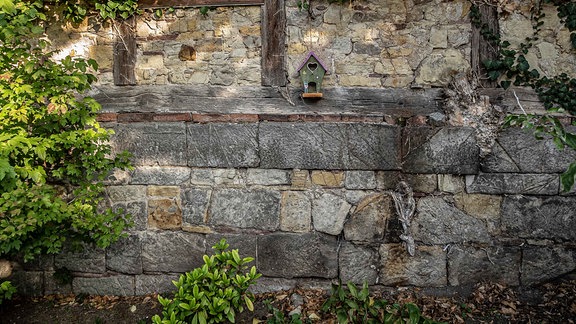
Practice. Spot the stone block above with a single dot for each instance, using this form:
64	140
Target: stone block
517	150
358	264
329	146
295	212
446	150
229	177
470	265
360	180
369	220
329	213
126	193
163	191
118	285
172	251
540	264
54	287
438	222
258	209
426	183
290	255
125	255
158	283
539	217
244	243
266	285
427	268
388	180
152	143
268	177
223	145
300	179
451	183
329	179
484	207
28	283
164	213
513	183
139	212
155	175
195	205
92	259
203	177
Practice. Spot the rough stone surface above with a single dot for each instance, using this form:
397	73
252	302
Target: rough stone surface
28	283
52	286
172	251
266	285
300	179
125	255
437	222
329	179
91	259
329	213
118	285
303	255
513	183
329	146
358	264
470	265
164	213
126	193
484	207
160	283
360	180
539	217
540	264
222	145
258	209
152	143
369	220
195	205
427	268
139	212
246	244
425	183
268	177
451	183
155	175
295	212
447	150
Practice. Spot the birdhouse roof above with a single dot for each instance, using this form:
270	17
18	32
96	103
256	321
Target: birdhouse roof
311	54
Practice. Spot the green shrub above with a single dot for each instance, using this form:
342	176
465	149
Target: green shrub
6	291
213	293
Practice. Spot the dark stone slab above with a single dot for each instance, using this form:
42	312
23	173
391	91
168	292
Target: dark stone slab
358	264
440	150
539	217
125	256
427	268
369	220
513	183
92	259
28	283
517	150
542	263
158	283
258	209
168	251
298	255
195	205
152	143
329	146
119	285
470	265
138	211
223	145
160	175
244	243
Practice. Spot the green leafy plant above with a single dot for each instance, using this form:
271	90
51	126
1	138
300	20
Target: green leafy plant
353	305
76	11
53	153
213	293
6	291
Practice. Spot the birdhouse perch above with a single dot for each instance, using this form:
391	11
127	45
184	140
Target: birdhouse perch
312	72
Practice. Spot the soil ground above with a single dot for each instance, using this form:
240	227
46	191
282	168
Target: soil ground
552	303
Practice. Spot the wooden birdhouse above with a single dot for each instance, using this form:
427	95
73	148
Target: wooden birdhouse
312	72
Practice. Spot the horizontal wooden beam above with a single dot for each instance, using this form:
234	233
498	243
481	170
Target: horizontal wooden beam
195	3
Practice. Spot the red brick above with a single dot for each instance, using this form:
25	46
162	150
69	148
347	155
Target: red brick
173	117
135	117
107	117
231	118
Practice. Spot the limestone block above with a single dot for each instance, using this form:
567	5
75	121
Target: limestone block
300	179
329	146
126	193
103	54
119	285
358	264
295	212
447	150
439	37
92	259
164	213
540	264
330	179
426	183
355	80
159	283
268	177
223	145
451	183
513	183
163	191
168	251
329	213
152	143
470	265
484	207
257	209
195	205
517	150
155	175
360	180
125	255
369	220
290	255
437	222
427	268
438	68
539	217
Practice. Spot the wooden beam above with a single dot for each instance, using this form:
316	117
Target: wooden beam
273	45
125	53
195	3
481	48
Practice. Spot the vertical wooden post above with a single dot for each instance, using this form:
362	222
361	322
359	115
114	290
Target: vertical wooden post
481	48
125	53
273	44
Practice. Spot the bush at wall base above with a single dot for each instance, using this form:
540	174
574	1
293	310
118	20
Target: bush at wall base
213	293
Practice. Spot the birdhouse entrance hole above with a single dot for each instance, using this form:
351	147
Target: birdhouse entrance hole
312	87
312	66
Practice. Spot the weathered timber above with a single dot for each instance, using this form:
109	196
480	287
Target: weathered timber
125	53
518	100
195	3
273	49
483	49
266	100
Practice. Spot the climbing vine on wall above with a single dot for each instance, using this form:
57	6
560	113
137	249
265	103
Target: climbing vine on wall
558	93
